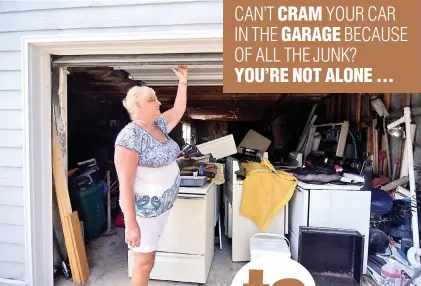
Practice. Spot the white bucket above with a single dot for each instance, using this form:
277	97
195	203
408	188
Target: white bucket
269	244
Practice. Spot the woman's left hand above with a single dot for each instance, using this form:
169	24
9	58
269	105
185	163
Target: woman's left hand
181	73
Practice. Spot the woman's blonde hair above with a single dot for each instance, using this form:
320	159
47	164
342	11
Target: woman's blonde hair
143	93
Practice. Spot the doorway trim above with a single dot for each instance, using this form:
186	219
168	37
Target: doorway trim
37	113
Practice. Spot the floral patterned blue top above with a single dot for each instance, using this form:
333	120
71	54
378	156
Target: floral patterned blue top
157	176
152	152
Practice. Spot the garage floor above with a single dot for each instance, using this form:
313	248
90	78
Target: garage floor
108	261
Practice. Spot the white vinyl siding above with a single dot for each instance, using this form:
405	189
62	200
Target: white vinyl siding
11	196
124	16
10	138
11	119
12	270
11	157
10	80
10	61
30	18
11	177
12	234
6	6
10	100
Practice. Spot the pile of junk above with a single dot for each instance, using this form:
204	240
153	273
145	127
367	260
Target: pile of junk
196	169
394	244
392	233
198	165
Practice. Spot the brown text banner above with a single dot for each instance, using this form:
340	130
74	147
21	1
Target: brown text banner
322	46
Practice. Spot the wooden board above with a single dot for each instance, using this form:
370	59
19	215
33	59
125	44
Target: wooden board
358	109
59	101
60	181
366	115
72	235
375	146
79	247
369	142
386	166
405	100
64	206
388	100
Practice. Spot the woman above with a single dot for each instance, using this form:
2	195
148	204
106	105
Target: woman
145	160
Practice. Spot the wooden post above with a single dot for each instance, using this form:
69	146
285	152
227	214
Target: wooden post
59	100
388	163
375	146
405	100
358	108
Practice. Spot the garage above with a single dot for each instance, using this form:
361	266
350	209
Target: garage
96	86
86	88
216	241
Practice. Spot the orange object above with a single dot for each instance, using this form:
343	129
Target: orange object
71	172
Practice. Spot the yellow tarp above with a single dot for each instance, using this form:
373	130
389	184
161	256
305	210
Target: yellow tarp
265	192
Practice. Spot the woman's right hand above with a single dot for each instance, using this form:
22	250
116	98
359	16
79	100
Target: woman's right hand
133	235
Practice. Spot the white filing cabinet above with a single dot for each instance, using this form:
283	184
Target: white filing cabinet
335	206
186	248
238	227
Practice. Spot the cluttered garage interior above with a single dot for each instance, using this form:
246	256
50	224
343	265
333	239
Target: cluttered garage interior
329	180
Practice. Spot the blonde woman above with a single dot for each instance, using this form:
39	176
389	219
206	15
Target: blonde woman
145	160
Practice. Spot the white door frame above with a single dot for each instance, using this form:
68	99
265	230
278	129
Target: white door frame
37	86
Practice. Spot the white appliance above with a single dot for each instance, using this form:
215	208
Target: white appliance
186	248
328	205
241	229
219	148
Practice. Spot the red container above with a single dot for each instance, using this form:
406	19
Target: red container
119	220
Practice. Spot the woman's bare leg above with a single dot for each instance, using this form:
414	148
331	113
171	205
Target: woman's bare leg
142	267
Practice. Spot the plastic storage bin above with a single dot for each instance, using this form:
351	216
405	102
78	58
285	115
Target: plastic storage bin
269	244
193	181
91	210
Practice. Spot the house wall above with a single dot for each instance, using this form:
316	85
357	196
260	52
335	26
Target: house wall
18	19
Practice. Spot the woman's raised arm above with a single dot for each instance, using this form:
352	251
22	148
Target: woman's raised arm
174	115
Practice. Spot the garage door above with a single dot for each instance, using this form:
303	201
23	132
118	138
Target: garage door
205	69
